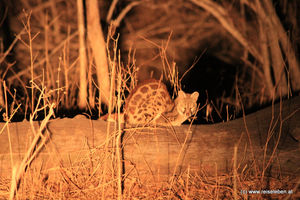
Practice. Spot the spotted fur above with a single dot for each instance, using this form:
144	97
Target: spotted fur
150	103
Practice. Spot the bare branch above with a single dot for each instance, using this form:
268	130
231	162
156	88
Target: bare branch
222	16
121	16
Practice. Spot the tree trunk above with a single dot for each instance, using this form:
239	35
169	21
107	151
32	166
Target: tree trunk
98	46
158	152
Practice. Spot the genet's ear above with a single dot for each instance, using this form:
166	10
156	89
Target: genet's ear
181	94
195	95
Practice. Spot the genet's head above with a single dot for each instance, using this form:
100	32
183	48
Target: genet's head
187	103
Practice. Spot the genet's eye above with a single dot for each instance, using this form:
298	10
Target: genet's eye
193	109
183	109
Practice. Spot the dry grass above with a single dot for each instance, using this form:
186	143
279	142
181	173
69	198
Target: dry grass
85	179
51	79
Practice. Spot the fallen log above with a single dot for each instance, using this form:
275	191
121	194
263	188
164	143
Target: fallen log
272	133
